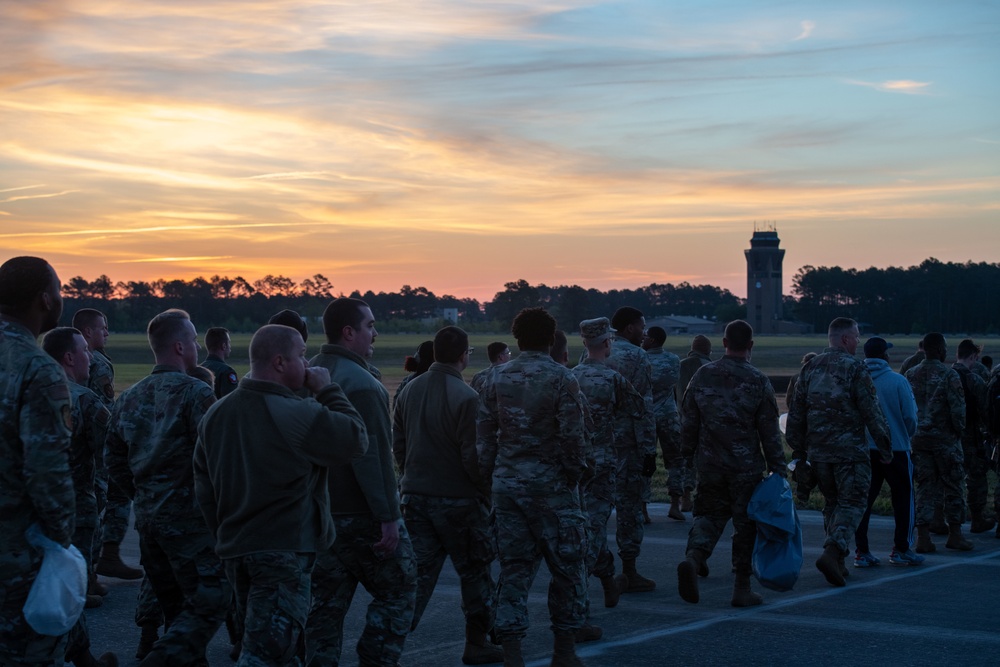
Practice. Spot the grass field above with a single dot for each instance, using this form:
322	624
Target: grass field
778	356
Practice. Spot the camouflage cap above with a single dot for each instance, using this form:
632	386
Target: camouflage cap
596	330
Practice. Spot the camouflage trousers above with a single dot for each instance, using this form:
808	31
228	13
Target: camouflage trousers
629	486
681	479
598	496
19	644
977	466
530	529
191	586
147	607
458	528
391	581
939	473
273	599
85	539
722	496
844	486
114	506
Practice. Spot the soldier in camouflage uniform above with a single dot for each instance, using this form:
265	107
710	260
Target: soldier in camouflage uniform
445	499
608	393
937	450
260	469
666	372
149	453
700	354
111	500
220	346
36	483
498	353
974	454
372	546
636	445
833	404
731	431
531	443
90	426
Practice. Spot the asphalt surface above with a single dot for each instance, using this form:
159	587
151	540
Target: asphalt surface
944	612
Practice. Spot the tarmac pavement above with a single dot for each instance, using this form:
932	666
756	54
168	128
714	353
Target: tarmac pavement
946	611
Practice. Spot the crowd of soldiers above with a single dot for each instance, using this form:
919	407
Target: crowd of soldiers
262	503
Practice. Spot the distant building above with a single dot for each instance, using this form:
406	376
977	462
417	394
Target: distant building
682	324
764	258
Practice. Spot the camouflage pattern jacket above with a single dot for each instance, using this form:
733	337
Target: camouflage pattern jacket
608	396
102	377
150	446
974	388
635	435
530	429
666	372
833	404
86	453
940	404
731	420
36	485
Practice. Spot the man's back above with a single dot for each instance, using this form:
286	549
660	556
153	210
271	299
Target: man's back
937	390
608	394
730	413
151	443
531	433
834	401
666	369
434	436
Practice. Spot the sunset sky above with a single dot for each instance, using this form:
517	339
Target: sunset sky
459	145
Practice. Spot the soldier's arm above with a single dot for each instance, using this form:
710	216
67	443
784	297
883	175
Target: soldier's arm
956	402
466	434
796	425
645	432
203	489
335	431
399	433
375	476
766	422
96	418
44	426
487	427
572	437
116	455
863	390
690	423
908	408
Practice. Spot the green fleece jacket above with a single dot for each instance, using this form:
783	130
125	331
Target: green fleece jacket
368	484
260	467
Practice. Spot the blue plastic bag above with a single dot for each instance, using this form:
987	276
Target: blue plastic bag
777	551
59	592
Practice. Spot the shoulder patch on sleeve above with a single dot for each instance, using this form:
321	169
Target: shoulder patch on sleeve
232	378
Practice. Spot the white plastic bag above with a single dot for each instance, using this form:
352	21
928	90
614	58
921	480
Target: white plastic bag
59	592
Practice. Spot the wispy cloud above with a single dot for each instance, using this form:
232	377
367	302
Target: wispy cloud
904	86
45	196
195	258
807	30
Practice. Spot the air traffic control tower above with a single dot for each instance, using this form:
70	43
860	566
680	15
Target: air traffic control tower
764	281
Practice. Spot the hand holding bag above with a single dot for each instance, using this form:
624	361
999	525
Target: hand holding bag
777	551
59	592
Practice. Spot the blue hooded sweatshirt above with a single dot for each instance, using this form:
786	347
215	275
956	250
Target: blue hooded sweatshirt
896	400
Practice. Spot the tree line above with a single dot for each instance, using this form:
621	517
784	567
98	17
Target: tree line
933	296
241	305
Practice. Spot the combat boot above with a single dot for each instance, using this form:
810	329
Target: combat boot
146	640
645	514
94	587
111	565
588	633
478	650
981	524
611	591
564	652
829	565
675	512
742	595
956	540
687	579
938	526
512	653
924	544
634	582
92	601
